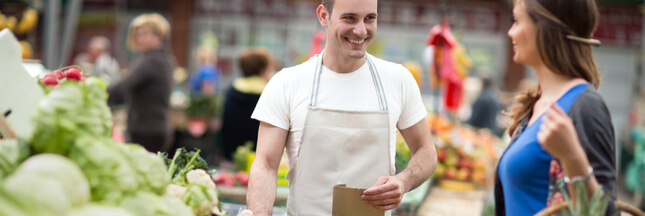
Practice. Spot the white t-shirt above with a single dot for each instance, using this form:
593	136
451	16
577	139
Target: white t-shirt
285	99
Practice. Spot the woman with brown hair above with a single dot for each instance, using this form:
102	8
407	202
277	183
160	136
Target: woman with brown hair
561	131
238	127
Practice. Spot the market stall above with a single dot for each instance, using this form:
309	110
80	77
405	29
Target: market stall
58	157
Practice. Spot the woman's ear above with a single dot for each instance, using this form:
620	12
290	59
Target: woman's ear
323	15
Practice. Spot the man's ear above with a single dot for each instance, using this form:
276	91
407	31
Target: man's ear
323	15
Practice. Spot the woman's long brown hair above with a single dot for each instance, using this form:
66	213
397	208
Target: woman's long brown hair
555	19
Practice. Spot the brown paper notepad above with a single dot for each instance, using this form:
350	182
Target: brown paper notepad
348	202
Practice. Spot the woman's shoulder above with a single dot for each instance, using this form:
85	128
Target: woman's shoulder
589	101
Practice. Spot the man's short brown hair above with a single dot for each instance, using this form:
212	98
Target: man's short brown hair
329	5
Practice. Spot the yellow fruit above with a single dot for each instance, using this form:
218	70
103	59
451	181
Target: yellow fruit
3	21
456	185
28	22
478	177
11	22
439	171
27	51
416	71
463	174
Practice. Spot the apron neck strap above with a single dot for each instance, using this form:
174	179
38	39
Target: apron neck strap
313	99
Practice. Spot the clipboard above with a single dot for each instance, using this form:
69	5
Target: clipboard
348	202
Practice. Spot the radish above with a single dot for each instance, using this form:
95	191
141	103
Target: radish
58	74
49	80
243	178
49	75
73	73
219	179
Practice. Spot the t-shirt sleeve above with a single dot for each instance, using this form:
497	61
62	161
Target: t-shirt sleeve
412	108
272	107
596	134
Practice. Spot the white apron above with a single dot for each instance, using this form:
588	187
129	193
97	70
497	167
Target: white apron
347	146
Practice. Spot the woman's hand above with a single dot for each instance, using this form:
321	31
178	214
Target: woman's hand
558	136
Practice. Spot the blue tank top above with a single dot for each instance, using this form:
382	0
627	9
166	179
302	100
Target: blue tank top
524	168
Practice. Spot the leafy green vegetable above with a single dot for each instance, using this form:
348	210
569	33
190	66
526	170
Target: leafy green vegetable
151	170
110	175
148	204
204	107
182	162
201	199
69	111
240	157
48	183
10	207
596	205
12	153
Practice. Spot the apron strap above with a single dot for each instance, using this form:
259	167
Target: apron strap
313	99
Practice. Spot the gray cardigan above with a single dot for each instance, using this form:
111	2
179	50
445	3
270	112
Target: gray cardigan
146	89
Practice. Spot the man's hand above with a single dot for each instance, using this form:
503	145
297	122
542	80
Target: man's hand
385	194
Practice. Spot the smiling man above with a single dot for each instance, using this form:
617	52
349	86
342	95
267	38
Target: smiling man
337	115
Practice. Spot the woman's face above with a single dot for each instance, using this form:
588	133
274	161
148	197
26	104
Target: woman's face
523	35
146	39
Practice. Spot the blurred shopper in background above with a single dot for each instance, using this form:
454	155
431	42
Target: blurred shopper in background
561	128
237	125
147	85
97	61
486	107
206	80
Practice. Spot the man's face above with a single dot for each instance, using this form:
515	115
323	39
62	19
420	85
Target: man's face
350	27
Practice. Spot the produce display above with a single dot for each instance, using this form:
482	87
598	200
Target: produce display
70	166
464	155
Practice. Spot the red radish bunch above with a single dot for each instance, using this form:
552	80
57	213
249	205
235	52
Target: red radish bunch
231	179
73	73
53	78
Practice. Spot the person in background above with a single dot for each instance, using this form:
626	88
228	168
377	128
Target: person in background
237	125
97	61
486	107
206	80
146	87
562	130
337	115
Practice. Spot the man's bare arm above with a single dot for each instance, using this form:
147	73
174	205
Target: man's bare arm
424	155
388	191
264	171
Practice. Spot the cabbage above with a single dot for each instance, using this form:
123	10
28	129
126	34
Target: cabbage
151	169
12	152
99	210
10	207
148	204
110	175
70	110
48	182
